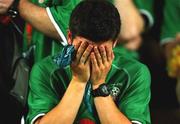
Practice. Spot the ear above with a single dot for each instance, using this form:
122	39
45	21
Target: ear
114	43
69	37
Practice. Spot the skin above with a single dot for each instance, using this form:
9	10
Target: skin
38	18
130	17
93	61
4	6
34	15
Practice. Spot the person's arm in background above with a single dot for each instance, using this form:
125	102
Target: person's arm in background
35	15
134	17
51	20
38	18
170	41
170	26
170	34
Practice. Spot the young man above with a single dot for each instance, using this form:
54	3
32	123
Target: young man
100	86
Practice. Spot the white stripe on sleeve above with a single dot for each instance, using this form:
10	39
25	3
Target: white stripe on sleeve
64	40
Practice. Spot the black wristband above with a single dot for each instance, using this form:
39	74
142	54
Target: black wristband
102	90
13	10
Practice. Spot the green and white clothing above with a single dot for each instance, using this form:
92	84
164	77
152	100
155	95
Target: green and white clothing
146	8
128	80
59	13
171	21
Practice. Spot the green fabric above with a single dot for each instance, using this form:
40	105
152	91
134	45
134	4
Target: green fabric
48	84
171	22
147	6
126	52
62	13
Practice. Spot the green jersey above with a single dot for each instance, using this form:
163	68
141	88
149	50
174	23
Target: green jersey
128	81
171	21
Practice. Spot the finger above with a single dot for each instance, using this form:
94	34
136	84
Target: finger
98	55
93	60
86	54
108	53
88	61
112	56
80	51
76	46
103	54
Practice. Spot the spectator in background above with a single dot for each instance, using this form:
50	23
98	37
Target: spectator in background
120	86
170	40
137	18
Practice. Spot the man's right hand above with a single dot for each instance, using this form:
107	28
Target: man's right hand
4	6
81	64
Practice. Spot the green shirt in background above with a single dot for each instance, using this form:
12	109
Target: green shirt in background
146	8
171	21
128	80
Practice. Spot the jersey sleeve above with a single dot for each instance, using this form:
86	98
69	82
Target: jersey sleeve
171	21
60	15
135	102
146	9
41	98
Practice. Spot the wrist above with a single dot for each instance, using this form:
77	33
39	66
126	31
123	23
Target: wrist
78	86
23	7
77	80
21	2
13	9
95	85
101	91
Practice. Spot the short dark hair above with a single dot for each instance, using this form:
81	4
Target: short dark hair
96	20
